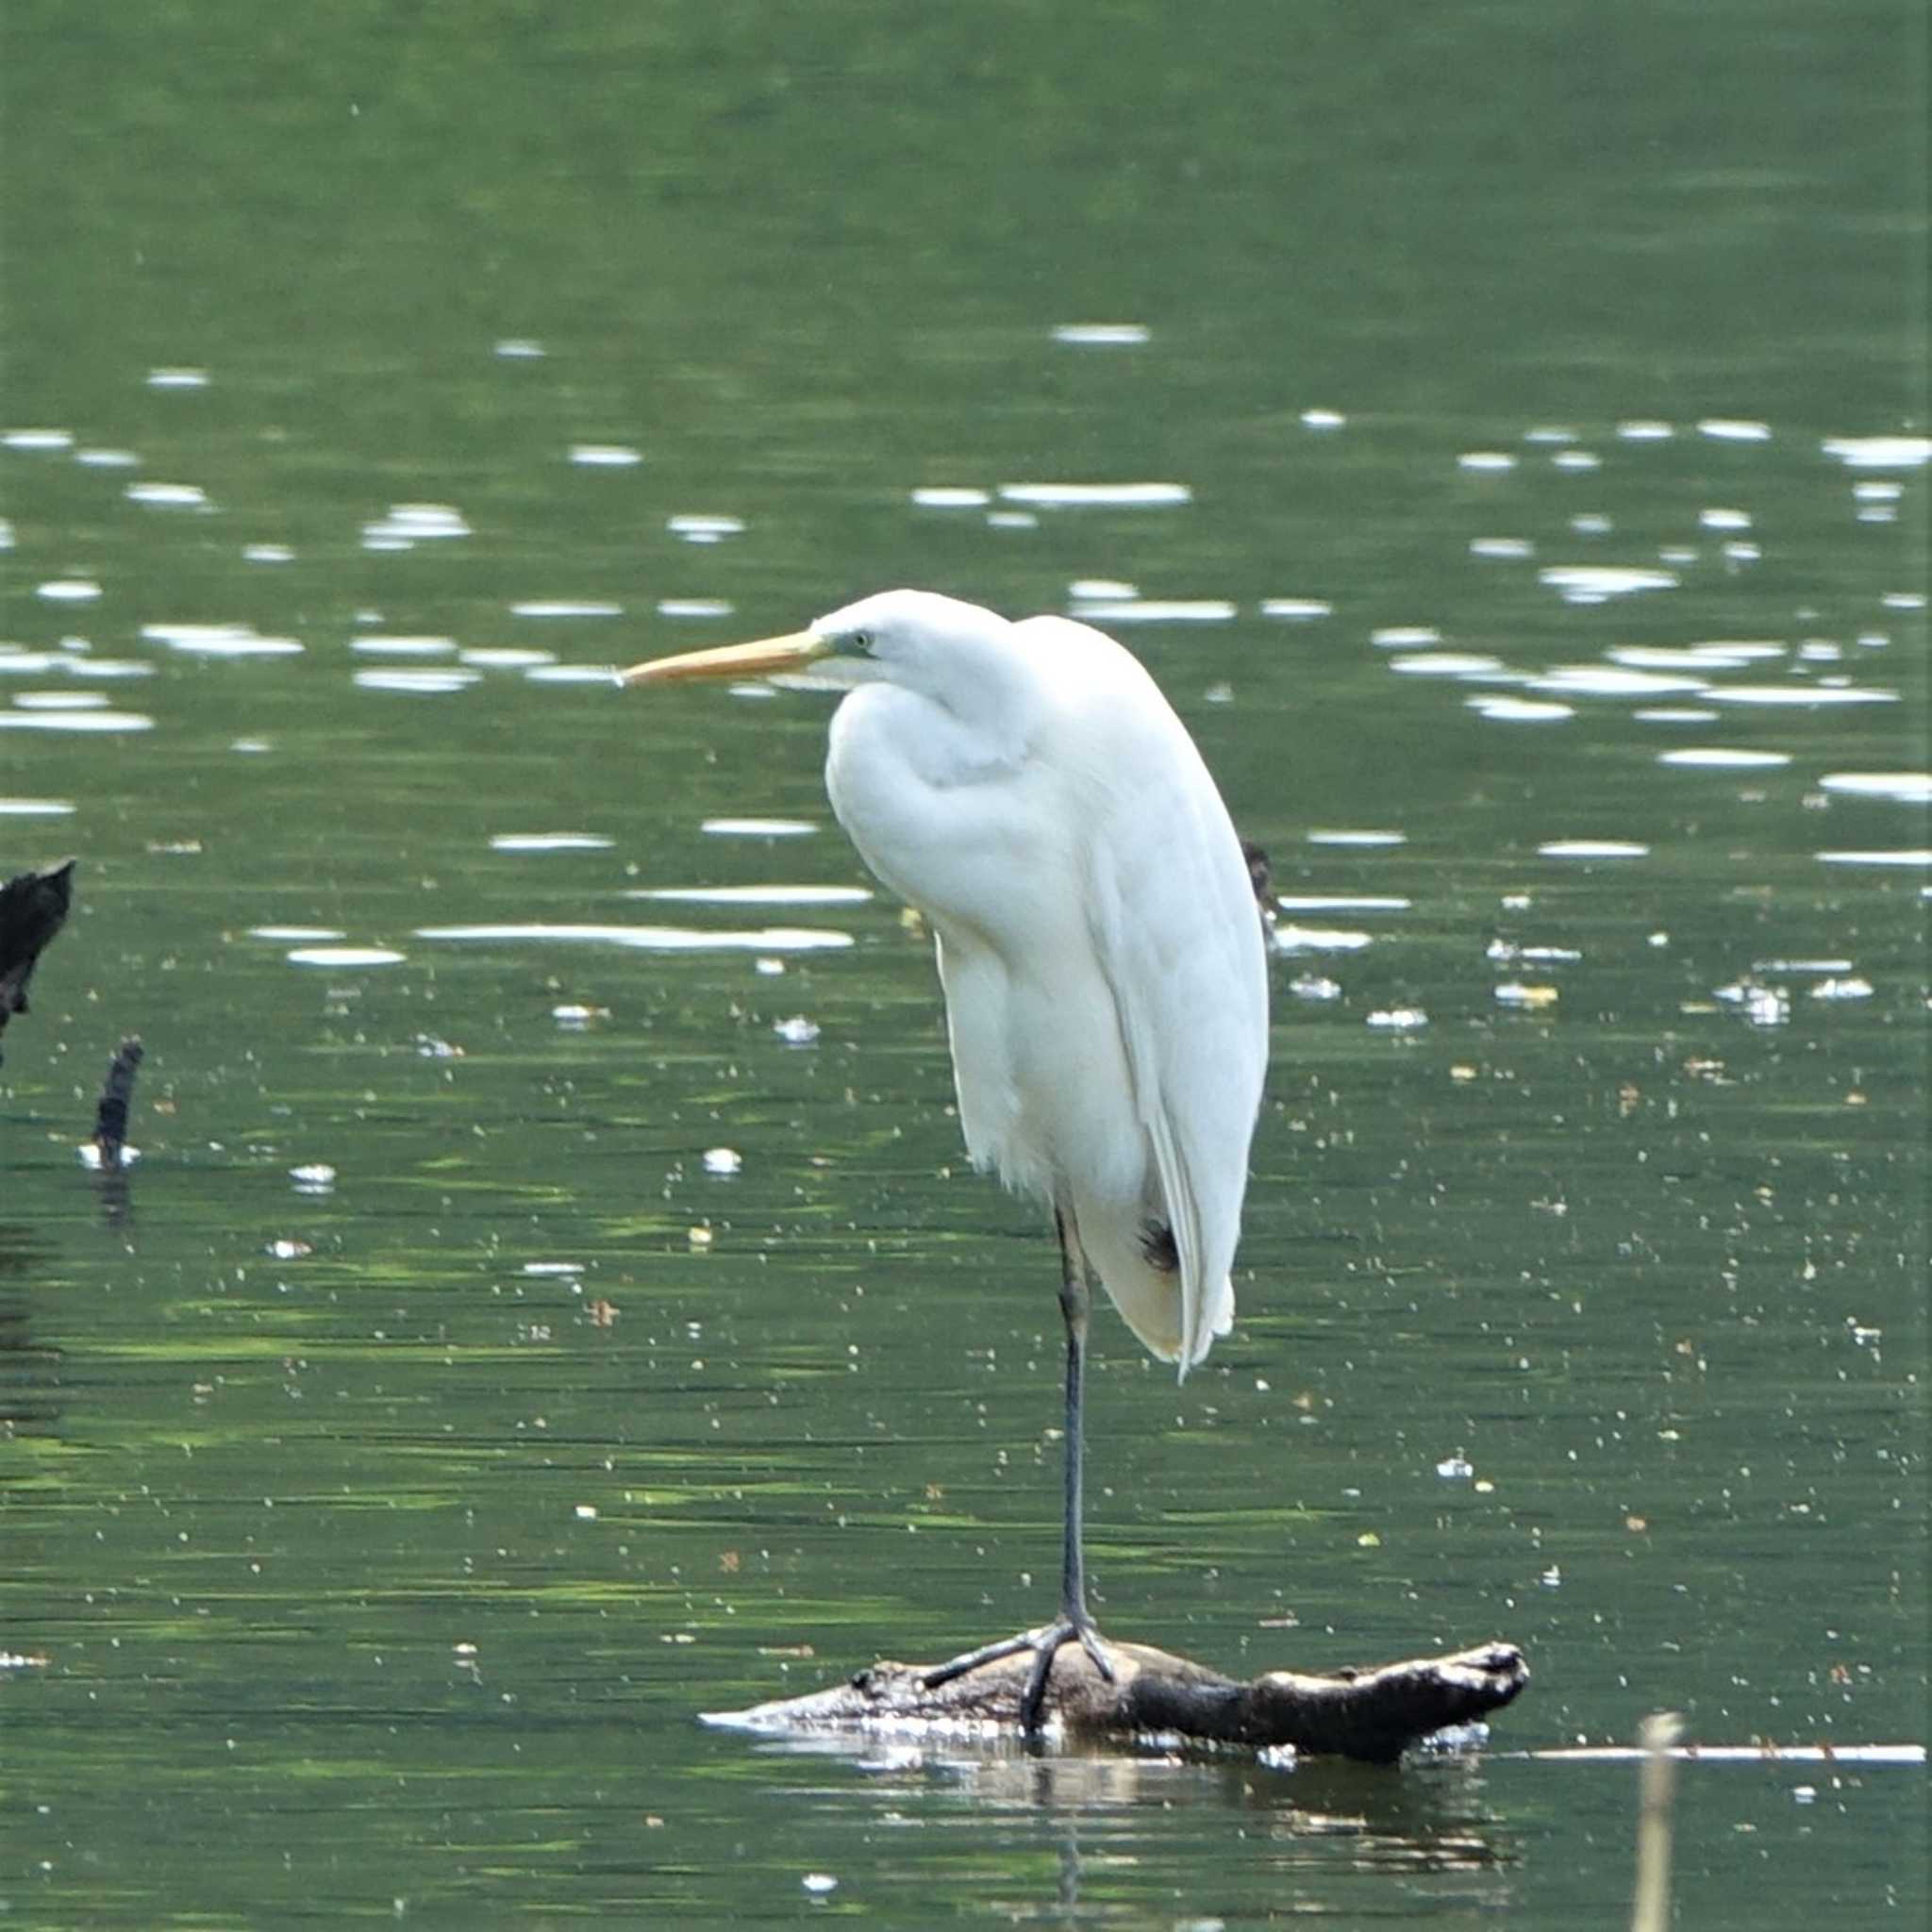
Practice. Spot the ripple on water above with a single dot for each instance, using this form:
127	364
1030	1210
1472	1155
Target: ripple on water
37	439
1713	656
1593	848
1296	609
758	828
757	895
951	496
1447	664
220	641
296	934
1803	695
1097	495
1157	610
409	524
97	722
1290	937
1734	429
68	590
178	379
1902	787
695	607
344	956
1352	837
437	683
1904	857
1597	583
604	456
650	938
382	645
571	674
168	496
548	607
1101	335
1880	451
1611	681
505	658
1341	902
61	700
1722	758
1510	710
36	807
549	841
1404	637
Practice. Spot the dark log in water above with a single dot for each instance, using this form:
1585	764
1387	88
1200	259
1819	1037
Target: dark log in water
1370	1714
33	907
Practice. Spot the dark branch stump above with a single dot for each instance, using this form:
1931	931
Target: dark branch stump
1372	1715
33	907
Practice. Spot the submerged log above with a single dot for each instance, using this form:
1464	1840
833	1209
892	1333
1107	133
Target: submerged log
1370	1714
33	907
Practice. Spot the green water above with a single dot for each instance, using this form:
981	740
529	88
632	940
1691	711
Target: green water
390	1475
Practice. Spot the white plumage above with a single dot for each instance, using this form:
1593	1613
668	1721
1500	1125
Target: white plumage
1030	790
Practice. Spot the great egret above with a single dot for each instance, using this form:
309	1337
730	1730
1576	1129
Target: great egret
1027	788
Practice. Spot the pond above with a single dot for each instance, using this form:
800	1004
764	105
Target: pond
552	1301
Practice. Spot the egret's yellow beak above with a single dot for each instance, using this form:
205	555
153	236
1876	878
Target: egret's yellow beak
757	659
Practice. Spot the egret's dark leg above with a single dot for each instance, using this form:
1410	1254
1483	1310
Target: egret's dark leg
1073	1623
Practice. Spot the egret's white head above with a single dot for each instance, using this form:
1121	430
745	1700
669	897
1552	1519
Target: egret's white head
937	645
915	638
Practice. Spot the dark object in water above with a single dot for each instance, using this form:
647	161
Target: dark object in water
1261	876
33	907
110	1116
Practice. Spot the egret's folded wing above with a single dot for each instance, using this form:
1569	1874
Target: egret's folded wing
1179	939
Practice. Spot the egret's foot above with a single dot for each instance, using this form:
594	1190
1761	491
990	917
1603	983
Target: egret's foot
1044	1645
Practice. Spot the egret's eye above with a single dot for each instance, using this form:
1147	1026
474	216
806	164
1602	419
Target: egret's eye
862	641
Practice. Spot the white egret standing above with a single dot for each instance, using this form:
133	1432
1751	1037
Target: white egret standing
1027	788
